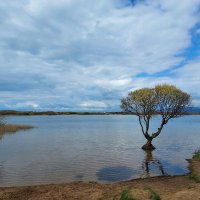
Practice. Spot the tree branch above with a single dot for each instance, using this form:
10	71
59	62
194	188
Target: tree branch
154	135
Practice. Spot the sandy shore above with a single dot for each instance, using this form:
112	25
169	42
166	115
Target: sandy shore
168	188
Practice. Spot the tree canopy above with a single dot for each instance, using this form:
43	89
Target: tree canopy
165	100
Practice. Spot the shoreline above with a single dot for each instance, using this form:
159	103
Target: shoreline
153	178
167	187
7	113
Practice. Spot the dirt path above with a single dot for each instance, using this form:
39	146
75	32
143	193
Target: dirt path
168	188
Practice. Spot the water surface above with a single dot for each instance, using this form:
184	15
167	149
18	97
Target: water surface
93	148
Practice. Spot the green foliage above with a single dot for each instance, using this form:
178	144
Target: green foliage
141	101
171	100
194	176
196	155
153	195
166	100
126	195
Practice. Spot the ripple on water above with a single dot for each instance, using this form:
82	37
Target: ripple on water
92	148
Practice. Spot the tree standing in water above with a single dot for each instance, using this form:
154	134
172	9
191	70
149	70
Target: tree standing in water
165	100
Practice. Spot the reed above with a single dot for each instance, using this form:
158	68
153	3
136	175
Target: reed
12	128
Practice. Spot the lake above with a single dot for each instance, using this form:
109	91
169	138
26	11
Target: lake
104	148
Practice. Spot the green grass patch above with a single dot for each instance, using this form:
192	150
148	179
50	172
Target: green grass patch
194	176
196	155
125	195
153	195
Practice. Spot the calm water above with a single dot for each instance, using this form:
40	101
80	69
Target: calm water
93	148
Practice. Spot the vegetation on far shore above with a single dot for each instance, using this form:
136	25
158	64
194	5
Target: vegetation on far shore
46	113
35	113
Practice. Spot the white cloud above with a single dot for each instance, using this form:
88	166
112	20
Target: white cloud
93	104
71	52
24	105
188	77
113	84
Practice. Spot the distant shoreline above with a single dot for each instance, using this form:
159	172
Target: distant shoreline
33	113
4	113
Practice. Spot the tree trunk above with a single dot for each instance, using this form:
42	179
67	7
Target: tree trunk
148	146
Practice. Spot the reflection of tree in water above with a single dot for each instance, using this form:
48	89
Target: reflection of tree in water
150	164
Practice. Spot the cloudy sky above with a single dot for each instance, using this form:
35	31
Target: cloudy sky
78	55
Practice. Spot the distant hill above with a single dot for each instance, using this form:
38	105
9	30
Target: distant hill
190	111
31	113
195	110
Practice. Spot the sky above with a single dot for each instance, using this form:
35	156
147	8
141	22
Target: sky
85	55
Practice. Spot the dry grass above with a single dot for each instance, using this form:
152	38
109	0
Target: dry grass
12	128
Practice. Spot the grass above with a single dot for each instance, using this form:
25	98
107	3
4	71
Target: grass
196	155
125	195
12	128
153	195
194	176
